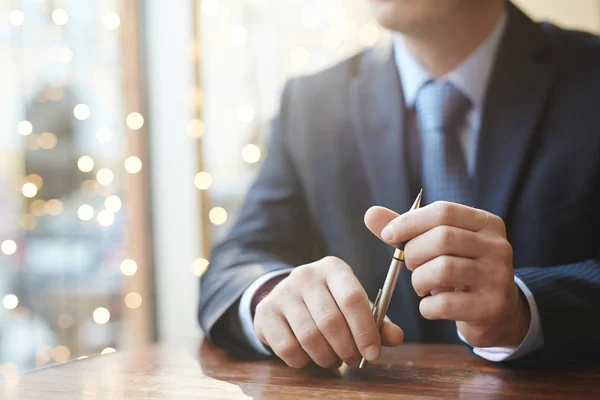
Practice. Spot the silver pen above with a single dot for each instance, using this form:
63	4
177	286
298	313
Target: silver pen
384	296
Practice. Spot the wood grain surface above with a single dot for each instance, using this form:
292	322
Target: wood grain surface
411	371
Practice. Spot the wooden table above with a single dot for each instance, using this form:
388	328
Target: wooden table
409	371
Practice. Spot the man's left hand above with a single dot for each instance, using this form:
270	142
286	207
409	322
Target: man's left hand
461	256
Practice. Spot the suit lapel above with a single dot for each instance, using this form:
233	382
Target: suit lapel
515	99
377	115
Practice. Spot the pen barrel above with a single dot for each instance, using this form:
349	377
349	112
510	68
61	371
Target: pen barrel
388	290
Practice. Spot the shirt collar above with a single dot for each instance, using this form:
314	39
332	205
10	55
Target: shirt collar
471	76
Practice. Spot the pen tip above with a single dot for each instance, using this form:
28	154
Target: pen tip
417	202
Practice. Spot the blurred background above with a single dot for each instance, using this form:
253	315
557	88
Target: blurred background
129	133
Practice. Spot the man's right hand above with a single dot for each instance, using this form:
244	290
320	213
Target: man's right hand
321	313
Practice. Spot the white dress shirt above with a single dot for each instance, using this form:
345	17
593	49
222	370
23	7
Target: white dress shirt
471	77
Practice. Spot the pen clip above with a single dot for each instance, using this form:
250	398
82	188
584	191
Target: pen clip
375	309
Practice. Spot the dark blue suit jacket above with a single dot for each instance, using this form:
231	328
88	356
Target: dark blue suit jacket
338	148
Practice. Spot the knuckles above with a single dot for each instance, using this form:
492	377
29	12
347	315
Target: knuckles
308	337
445	237
330	322
291	353
353	299
446	212
446	270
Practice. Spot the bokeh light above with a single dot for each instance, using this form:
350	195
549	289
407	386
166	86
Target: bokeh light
8	247
129	267
203	180
101	315
218	215
10	301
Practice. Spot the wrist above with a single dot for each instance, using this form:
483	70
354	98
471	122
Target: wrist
518	322
263	291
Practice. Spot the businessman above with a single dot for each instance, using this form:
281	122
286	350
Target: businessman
497	119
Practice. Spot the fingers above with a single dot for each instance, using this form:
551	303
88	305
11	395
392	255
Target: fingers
279	336
391	334
444	240
455	306
331	323
394	229
353	302
309	336
443	272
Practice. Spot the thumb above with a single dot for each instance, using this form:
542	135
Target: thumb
391	334
376	218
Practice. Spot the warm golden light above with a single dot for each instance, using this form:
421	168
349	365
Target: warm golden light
101	315
203	180
104	134
24	128
65	320
29	190
47	140
105	176
85	164
8	247
108	350
129	267
218	215
106	218
85	212
31	142
60	16
81	112
113	203
28	222
55	92
16	17
135	121
195	128
37	180
133	300
111	21
38	208
196	97
61	354
54	207
10	301
42	356
133	165
199	266
246	113
251	153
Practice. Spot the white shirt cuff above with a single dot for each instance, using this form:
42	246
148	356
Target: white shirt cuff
533	341
246	314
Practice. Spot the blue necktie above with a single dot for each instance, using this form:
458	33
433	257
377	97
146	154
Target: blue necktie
442	109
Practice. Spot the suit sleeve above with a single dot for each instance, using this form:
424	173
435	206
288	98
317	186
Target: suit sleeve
568	300
274	231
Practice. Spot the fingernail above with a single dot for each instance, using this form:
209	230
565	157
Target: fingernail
387	233
372	353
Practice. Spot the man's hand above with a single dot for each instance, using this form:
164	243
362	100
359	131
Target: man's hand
461	256
320	312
